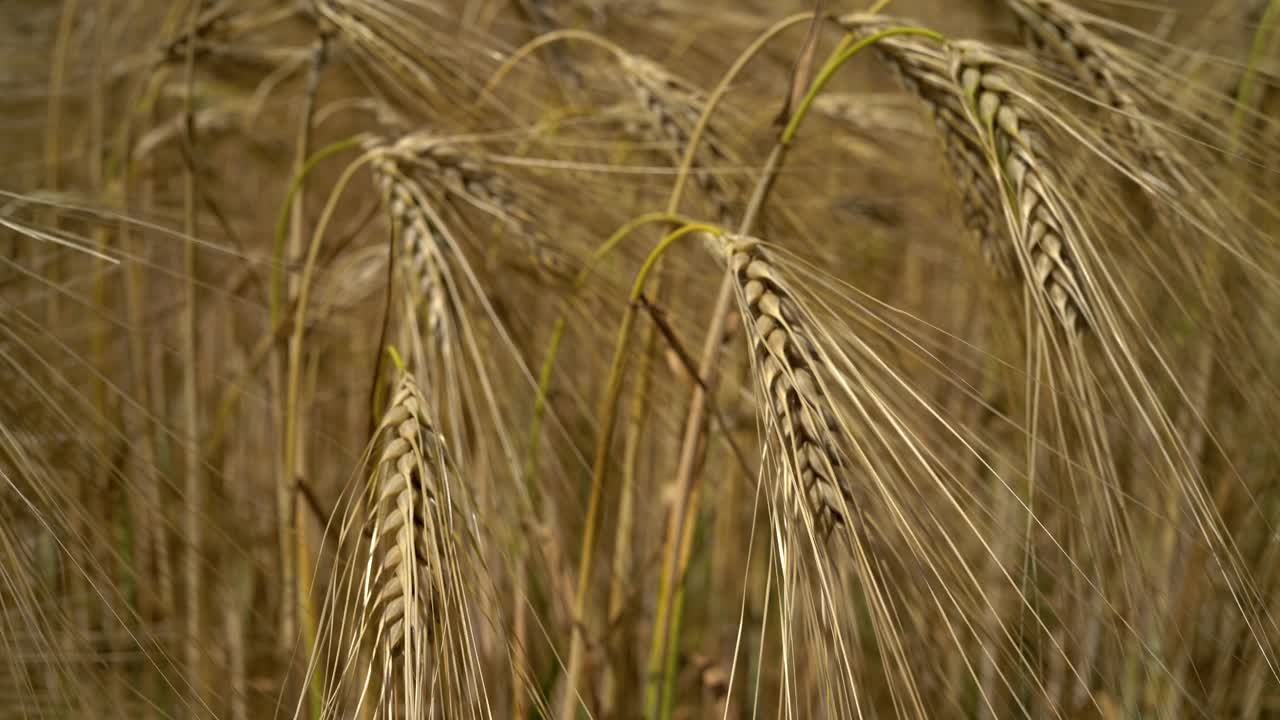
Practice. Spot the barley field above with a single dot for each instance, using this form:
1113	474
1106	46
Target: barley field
639	359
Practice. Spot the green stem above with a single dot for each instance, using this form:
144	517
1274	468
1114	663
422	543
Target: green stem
282	220
1244	93
689	453
836	61
557	331
528	49
608	416
287	482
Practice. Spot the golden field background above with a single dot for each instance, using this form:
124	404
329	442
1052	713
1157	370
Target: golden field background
661	359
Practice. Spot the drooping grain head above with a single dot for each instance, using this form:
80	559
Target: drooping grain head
674	107
786	364
922	68
447	168
998	110
421	249
1057	28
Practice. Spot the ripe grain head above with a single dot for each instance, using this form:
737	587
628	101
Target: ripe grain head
922	67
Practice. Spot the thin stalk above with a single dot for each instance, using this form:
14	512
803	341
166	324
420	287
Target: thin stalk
533	45
193	487
557	330
52	170
832	65
717	94
156	600
608	415
57	81
691	444
284	491
278	261
302	546
53	139
640	396
1244	93
669	671
299	326
548	369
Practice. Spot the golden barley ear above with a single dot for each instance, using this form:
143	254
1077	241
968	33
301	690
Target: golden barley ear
1058	29
921	66
405	511
449	169
1038	215
416	624
419	250
785	360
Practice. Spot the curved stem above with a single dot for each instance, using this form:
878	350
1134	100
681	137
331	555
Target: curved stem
282	220
635	426
557	330
1244	92
713	101
300	312
541	41
829	70
608	414
557	334
291	418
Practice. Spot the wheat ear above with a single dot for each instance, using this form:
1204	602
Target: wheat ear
786	361
921	66
1039	217
438	163
407	549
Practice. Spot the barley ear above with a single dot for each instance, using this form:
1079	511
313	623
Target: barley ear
786	361
409	548
1038	214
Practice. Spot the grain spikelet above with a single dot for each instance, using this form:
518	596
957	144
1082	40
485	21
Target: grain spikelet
416	618
405	514
785	357
674	106
420	249
922	68
1038	215
443	165
1059	28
